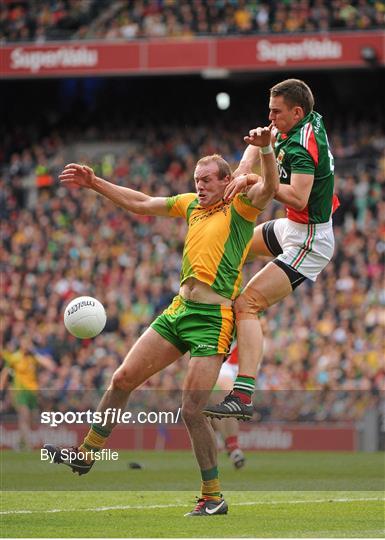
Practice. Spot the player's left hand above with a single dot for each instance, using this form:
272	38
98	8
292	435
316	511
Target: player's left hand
239	184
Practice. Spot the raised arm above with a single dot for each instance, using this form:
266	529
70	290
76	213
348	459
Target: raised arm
260	190
129	199
252	155
250	158
261	193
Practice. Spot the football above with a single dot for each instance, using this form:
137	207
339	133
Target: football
85	317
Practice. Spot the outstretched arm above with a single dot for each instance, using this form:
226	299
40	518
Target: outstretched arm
129	199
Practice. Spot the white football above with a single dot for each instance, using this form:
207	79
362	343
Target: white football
85	317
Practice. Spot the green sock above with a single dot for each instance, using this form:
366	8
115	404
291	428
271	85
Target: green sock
244	387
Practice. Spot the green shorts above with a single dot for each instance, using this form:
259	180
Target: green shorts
27	398
202	329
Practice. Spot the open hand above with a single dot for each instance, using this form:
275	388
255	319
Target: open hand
74	174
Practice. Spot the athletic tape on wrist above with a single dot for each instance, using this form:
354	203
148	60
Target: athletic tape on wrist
267	149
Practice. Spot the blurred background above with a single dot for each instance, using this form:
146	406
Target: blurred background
140	91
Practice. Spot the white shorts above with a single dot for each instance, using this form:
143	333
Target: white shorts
305	247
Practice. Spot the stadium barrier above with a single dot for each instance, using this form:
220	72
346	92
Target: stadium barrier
266	437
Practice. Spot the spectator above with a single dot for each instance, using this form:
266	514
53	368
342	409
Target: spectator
44	20
49	258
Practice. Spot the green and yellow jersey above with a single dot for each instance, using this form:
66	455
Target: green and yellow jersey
217	241
23	366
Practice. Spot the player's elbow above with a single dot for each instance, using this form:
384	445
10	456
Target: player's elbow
133	208
140	207
295	205
269	191
300	205
141	210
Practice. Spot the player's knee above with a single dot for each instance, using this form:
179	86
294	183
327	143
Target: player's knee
190	413
121	381
249	304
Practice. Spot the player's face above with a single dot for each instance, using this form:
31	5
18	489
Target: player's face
283	116
209	187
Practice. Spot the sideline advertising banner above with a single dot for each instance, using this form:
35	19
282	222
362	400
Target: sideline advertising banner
167	56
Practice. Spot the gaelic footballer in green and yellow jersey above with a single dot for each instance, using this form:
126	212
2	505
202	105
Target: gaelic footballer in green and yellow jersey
217	240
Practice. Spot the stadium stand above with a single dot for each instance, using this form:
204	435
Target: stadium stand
47	20
54	239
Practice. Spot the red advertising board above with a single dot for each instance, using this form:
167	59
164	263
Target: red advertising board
254	53
71	58
316	51
177	55
262	437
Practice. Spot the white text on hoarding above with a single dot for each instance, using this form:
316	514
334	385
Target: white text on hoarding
64	57
307	49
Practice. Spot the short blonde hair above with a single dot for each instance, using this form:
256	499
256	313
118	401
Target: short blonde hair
224	168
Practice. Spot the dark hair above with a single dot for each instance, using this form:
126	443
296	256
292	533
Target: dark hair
294	92
224	168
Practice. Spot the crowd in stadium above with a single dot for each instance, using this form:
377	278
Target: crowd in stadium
326	337
41	20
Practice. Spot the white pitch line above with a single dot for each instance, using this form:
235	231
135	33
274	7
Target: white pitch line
154	506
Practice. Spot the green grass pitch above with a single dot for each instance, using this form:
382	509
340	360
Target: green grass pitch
275	495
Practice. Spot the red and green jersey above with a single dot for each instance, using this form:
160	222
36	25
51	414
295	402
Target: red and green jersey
305	149
217	240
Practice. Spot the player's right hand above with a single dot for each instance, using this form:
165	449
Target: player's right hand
259	136
74	174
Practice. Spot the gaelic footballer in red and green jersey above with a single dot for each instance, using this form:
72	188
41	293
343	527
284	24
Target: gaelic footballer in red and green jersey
305	150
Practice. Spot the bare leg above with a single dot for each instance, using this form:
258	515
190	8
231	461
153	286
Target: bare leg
227	427
150	354
200	379
250	346
24	420
258	248
266	288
